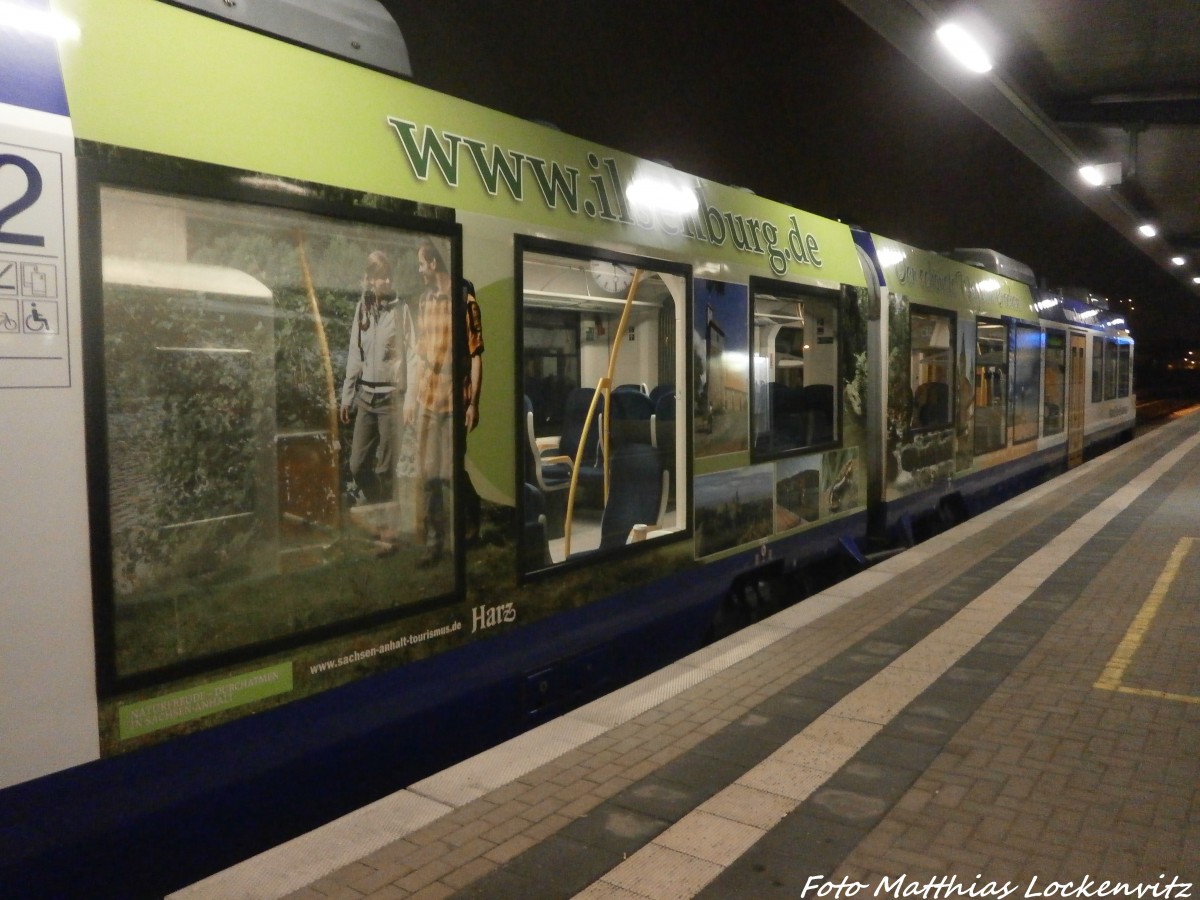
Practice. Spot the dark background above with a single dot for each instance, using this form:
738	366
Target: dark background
801	102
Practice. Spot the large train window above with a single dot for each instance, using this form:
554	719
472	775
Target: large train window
1055	382
1026	381
991	385
1124	368
1110	368
795	363
931	359
602	426
277	449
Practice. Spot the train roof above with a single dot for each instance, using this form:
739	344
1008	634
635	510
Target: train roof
939	280
994	262
359	31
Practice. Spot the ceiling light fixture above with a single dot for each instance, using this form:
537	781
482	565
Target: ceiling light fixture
1101	174
965	49
1147	230
1179	260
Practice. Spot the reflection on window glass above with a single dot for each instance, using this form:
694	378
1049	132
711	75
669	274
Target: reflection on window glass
602	435
1097	369
1110	369
991	385
262	481
1055	382
1026	382
794	370
932	368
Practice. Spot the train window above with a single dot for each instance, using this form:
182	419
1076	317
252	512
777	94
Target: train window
1026	381
602	429
1097	369
794	402
1124	369
1055	382
262	483
1110	369
991	385
931	343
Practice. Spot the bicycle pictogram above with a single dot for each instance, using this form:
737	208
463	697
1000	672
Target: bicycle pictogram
8	323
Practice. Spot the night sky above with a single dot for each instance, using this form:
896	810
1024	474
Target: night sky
800	102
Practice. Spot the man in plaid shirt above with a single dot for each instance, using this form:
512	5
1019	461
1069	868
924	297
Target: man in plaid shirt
435	399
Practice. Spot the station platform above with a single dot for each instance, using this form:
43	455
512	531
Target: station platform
1009	709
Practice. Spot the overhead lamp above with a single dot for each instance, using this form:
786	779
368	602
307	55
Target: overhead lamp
1196	280
964	47
1179	260
1101	174
1147	230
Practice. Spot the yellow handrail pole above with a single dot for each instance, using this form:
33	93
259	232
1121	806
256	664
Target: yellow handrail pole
587	424
326	364
612	370
605	385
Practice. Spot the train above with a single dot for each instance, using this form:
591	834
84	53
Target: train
352	428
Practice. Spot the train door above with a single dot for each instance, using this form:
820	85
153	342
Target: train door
1075	400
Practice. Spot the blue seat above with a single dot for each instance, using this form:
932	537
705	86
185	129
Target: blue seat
630	419
660	389
549	471
931	404
575	411
636	494
817	401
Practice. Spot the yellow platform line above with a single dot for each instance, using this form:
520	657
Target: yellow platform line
1158	695
1114	673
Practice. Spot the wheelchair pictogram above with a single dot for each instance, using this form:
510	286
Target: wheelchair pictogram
41	317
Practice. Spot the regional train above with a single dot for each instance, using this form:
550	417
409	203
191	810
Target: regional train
351	428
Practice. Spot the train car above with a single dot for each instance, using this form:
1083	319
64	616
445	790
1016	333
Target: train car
992	383
352	428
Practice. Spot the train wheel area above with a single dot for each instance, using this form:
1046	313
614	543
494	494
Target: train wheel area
1010	697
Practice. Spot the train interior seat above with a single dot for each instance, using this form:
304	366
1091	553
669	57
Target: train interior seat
931	404
575	414
637	495
817	403
630	418
550	470
800	417
659	390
